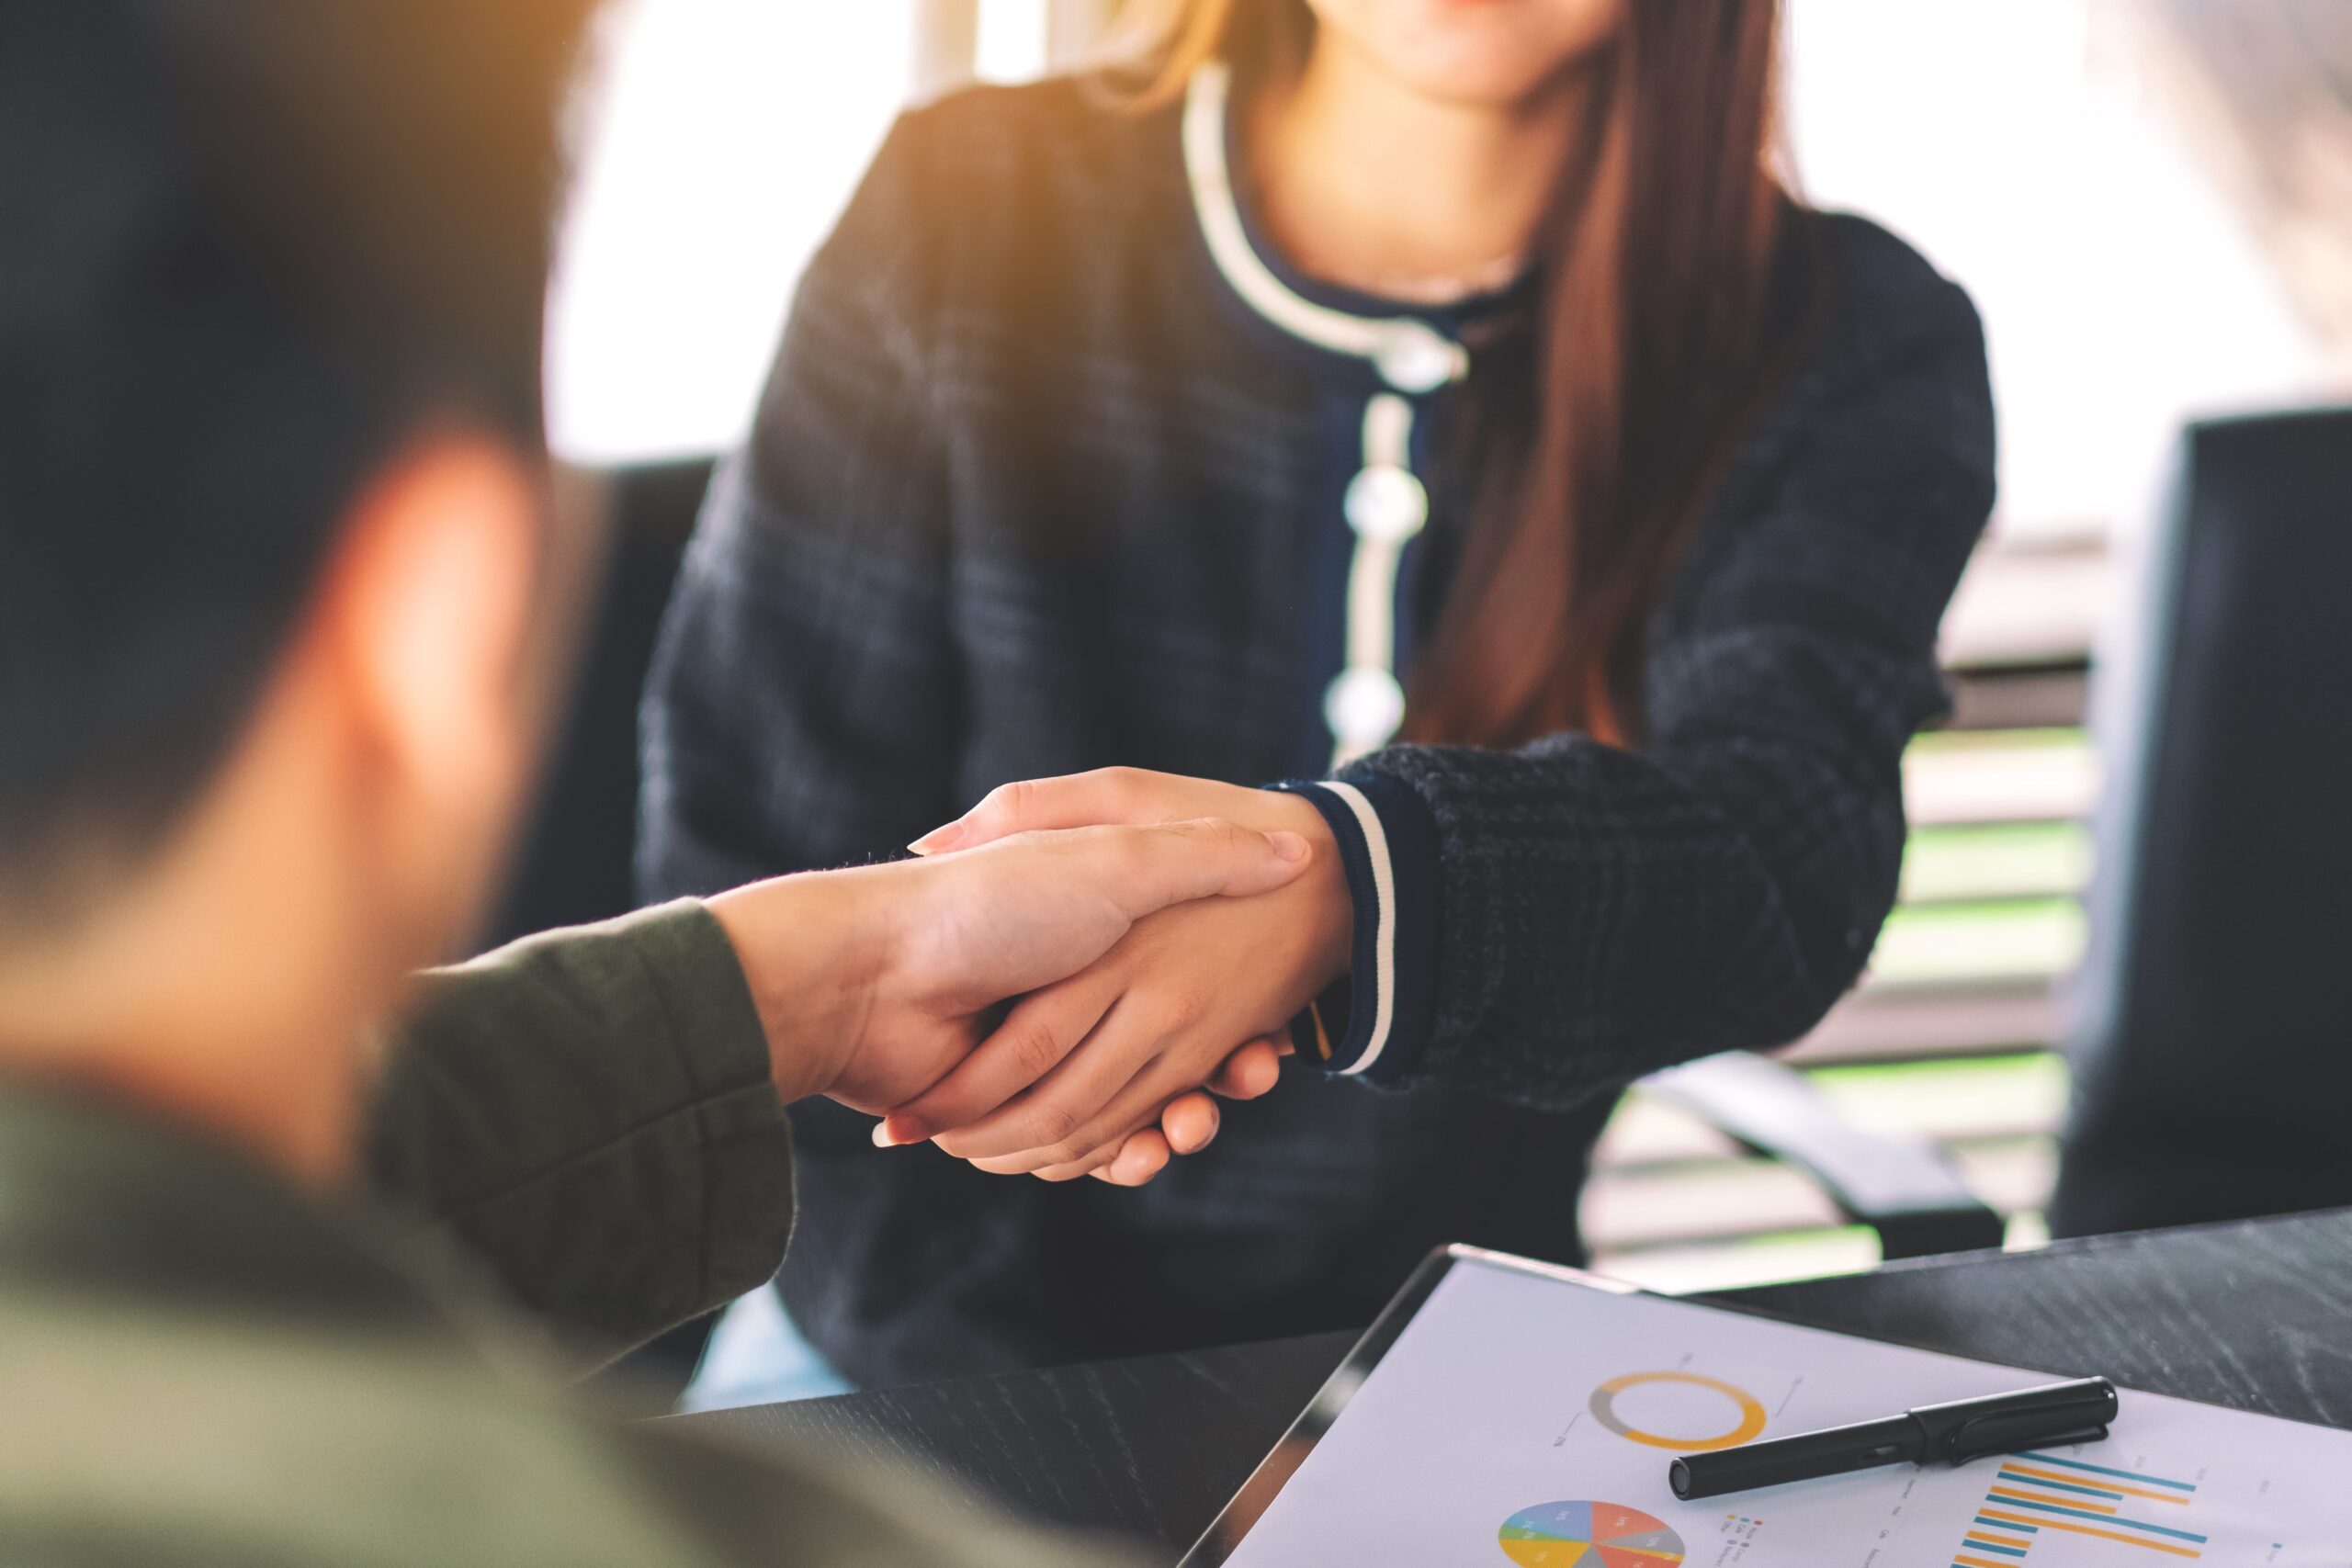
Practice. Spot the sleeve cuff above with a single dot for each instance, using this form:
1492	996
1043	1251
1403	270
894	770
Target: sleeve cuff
1374	1021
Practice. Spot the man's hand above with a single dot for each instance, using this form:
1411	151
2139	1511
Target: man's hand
873	983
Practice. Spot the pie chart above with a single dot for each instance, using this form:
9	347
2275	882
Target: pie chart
1588	1535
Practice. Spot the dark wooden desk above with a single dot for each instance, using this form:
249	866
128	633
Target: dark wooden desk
2256	1314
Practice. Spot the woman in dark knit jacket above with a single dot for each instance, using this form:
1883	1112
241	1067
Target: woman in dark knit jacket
1442	404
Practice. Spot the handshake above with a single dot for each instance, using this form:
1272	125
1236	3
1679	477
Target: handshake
1053	987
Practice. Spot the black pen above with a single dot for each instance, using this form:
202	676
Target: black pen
2047	1416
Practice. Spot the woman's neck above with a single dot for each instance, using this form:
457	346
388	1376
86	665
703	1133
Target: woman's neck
1363	183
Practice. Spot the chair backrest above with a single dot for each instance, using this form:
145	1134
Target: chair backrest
574	864
2212	1041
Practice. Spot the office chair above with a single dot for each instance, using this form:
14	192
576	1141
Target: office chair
2211	1036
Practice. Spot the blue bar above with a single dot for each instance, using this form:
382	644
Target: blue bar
2016	1480
2095	1518
1996	1546
2102	1469
2004	1523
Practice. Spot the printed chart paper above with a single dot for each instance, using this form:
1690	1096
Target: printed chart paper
1519	1420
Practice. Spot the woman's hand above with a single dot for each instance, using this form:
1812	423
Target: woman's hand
1186	1125
1079	1066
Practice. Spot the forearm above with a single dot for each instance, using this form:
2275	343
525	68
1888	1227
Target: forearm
592	1113
1603	913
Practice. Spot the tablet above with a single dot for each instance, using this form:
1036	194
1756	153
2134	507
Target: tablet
1506	1412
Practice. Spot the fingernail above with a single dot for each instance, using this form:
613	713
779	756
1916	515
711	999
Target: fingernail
1287	845
894	1130
938	839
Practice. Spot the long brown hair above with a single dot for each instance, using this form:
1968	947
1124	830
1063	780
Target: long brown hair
1658	325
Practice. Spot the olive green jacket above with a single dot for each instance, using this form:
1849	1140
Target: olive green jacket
201	1365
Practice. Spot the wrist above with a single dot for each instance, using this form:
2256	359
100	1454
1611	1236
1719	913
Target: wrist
1389	843
812	952
1323	887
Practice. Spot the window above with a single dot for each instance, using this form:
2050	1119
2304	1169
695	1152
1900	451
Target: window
719	140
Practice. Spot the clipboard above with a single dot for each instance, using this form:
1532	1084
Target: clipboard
1503	1411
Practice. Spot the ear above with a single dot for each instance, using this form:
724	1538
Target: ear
426	616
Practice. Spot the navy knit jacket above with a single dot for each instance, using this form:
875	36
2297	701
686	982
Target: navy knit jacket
1031	491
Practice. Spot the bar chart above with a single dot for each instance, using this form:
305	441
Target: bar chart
2037	1498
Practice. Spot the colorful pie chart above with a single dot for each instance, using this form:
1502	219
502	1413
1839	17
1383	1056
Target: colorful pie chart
1588	1535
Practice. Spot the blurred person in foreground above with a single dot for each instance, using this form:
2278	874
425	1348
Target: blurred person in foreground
271	521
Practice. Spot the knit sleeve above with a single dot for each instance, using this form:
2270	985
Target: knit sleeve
806	690
1601	912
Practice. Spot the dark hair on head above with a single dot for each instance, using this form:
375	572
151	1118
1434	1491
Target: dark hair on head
248	249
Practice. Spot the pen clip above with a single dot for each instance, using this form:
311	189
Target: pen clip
1985	1435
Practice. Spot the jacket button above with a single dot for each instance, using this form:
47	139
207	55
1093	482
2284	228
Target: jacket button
1365	707
1386	504
1414	357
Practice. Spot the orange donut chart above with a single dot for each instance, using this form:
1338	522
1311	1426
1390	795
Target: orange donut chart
1751	1413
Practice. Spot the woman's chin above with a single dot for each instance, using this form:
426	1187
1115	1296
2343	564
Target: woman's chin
1489	53
1474	78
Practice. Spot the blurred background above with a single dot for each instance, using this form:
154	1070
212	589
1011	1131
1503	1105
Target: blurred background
2151	201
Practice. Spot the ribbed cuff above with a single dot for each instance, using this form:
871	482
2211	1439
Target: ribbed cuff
1375	1020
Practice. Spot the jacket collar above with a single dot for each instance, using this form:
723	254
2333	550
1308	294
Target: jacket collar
1410	352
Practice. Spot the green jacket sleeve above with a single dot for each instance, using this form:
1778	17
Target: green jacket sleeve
589	1113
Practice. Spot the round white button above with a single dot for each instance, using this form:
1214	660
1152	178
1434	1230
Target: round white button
1364	706
1387	503
1414	357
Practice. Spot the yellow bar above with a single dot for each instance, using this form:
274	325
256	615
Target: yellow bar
2102	1484
2103	1535
1980	1562
1978	1537
2084	1504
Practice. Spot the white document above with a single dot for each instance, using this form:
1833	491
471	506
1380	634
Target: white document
1524	1419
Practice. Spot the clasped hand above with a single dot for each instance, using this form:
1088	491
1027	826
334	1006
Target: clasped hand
1050	988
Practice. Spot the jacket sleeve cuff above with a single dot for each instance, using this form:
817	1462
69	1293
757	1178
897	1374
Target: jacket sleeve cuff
1374	1021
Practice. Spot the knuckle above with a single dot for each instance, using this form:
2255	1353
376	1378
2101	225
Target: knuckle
1005	801
1217	837
1182	1007
1050	1127
1034	1049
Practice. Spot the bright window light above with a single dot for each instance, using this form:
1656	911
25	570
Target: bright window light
2120	293
1012	41
719	142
